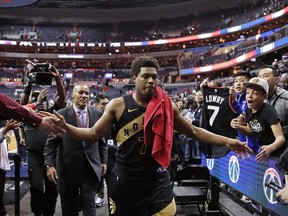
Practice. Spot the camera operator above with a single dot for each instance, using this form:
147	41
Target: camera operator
43	192
49	69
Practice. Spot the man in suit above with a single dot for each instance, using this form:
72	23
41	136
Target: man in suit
75	165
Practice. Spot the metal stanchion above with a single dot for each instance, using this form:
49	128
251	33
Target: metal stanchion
213	205
17	162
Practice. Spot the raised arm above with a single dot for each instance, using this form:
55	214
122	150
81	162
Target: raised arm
60	100
266	150
279	137
10	109
241	125
26	94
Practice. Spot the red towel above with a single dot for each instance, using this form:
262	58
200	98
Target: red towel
159	127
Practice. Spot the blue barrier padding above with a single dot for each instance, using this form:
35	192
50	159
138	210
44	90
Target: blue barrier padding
249	177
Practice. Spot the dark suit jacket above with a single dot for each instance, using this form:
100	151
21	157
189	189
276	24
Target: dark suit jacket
72	155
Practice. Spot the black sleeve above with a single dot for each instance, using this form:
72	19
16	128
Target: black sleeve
271	115
50	150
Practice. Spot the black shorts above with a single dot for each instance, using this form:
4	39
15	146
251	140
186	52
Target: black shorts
130	197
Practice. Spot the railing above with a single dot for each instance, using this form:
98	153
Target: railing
249	178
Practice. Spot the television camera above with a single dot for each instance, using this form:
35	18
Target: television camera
38	73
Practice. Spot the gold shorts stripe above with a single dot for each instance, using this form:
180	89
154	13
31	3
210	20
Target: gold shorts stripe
169	210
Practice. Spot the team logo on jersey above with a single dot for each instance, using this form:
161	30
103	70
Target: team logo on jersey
256	126
255	80
234	169
210	163
112	206
271	175
132	110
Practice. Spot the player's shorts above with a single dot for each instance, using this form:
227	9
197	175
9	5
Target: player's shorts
130	197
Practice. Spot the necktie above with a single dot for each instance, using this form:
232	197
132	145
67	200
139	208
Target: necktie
82	118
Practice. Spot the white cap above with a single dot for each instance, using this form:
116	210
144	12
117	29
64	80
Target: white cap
258	82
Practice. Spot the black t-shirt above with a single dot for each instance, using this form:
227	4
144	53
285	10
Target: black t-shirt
261	122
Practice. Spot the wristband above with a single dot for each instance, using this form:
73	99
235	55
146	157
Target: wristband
36	104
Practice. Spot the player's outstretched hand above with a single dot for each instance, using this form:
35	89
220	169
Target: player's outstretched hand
61	122
57	118
52	123
240	148
50	126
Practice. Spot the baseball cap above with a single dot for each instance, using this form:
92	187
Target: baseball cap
258	82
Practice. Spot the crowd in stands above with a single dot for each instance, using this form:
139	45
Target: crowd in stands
218	53
146	30
192	57
182	89
120	80
196	53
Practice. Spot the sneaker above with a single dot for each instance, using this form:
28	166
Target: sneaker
99	202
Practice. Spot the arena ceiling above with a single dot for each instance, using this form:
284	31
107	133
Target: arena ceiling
91	12
96	4
104	4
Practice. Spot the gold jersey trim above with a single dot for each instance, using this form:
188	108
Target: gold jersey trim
130	129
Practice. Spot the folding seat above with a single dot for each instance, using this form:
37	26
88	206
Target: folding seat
190	186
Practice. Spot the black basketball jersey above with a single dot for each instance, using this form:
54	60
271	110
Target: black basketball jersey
217	114
133	158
